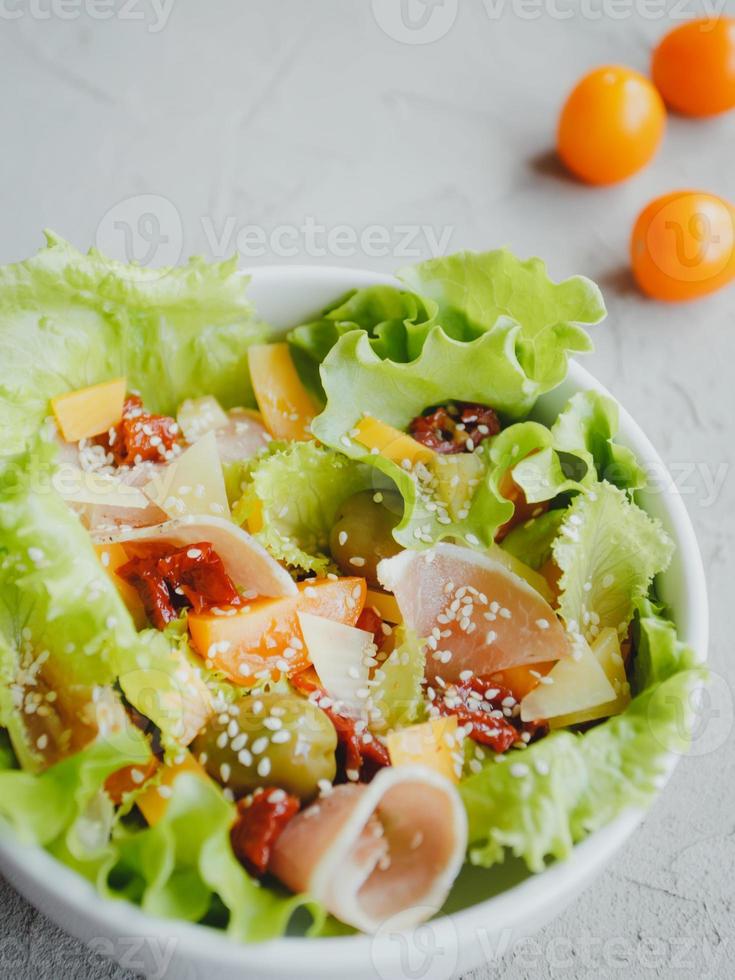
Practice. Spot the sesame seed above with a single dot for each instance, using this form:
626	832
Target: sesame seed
264	766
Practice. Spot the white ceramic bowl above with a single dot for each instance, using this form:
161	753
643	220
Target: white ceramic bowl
451	944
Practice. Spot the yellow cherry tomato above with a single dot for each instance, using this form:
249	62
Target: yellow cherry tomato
611	125
694	67
683	246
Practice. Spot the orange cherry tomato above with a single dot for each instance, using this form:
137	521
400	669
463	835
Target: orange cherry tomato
694	67
683	245
611	125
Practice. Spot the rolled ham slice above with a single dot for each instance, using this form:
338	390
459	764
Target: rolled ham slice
247	562
390	849
476	614
242	438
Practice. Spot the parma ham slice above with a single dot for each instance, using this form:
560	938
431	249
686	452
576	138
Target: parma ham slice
242	438
247	562
476	614
390	849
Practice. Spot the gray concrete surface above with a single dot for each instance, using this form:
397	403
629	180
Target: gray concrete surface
195	127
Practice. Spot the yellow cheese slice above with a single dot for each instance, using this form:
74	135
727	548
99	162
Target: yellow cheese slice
392	443
89	411
287	408
193	484
431	744
154	802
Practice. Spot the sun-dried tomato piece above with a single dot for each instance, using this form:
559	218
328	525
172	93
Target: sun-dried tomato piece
261	819
457	427
481	703
371	621
358	753
140	436
522	509
193	576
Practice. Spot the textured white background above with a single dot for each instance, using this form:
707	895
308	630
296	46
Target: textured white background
276	112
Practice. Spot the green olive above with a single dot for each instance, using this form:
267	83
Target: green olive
363	532
269	740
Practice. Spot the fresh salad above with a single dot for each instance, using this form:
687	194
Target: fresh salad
311	622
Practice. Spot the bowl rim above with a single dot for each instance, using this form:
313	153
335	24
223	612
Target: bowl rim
27	862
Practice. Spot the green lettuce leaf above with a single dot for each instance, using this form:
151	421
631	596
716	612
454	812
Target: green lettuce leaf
396	695
531	542
50	808
395	321
475	291
609	551
59	630
178	868
587	427
467	294
68	320
357	383
63	625
539	803
429	518
297	490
